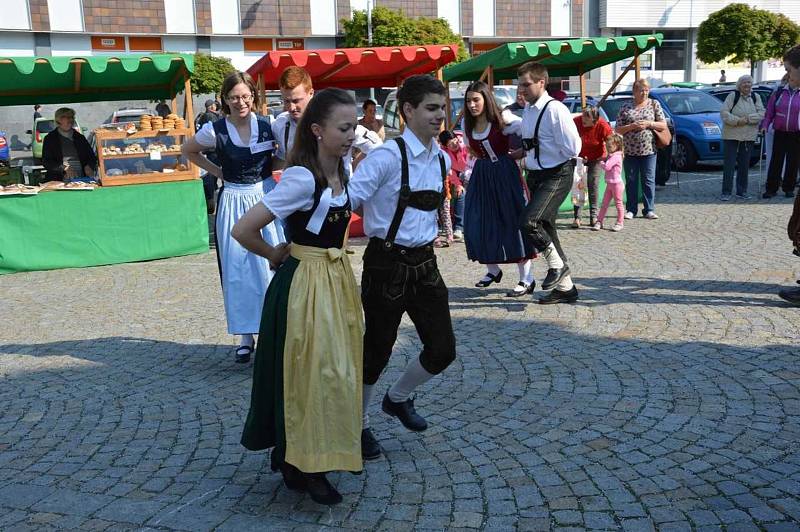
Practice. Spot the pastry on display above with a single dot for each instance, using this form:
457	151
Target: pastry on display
19	188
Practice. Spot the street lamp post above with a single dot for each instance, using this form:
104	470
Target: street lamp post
369	41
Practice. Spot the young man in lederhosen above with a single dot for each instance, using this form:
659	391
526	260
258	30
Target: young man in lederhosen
550	143
400	271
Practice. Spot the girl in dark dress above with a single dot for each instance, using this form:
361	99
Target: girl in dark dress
307	378
496	195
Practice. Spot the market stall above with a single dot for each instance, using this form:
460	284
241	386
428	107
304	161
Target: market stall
74	225
572	57
353	68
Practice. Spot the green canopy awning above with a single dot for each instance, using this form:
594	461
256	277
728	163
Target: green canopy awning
31	80
562	57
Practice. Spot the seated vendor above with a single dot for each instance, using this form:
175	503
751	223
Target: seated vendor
66	153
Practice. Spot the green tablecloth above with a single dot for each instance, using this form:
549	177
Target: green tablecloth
105	226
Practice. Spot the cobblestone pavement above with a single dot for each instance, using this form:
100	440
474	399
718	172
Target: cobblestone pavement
667	398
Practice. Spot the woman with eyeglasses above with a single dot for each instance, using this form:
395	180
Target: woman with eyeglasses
244	146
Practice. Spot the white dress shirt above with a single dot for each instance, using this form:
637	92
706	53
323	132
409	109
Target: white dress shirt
279	126
375	186
559	140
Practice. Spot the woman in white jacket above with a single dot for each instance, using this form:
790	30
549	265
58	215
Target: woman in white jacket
741	113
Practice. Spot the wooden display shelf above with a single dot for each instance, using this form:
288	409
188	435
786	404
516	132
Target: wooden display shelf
155	177
105	137
112	134
137	155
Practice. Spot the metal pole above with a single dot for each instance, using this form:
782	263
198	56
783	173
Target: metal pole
369	41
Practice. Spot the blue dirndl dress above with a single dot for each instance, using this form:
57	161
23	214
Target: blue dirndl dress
247	177
495	199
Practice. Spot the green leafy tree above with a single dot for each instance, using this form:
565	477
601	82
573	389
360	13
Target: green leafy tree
785	34
209	72
392	28
746	33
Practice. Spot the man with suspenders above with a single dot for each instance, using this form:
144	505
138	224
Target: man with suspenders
399	188
551	144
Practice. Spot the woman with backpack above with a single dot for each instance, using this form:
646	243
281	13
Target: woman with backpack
741	113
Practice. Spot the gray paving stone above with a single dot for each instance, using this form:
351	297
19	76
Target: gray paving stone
71	502
668	395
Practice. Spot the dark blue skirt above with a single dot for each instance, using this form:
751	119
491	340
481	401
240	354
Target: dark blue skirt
492	208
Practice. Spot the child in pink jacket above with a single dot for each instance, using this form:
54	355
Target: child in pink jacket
614	185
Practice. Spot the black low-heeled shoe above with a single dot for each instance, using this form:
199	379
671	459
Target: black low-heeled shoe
526	289
321	490
293	478
483	283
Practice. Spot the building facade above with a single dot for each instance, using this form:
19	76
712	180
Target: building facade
244	30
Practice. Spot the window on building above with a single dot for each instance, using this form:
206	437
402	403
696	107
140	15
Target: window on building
671	55
323	17
145	44
15	15
65	15
179	16
560	18
225	17
450	10
359	5
483	18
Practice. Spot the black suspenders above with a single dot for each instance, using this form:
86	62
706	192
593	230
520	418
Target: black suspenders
286	137
536	135
405	193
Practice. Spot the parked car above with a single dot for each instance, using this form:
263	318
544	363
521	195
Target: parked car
503	94
574	106
762	91
5	151
612	105
126	115
41	127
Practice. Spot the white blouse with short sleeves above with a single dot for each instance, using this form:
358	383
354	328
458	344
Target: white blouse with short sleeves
295	192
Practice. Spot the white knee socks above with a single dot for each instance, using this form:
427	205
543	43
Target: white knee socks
414	376
247	339
366	396
525	273
494	269
552	257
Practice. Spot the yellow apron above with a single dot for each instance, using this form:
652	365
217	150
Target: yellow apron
322	363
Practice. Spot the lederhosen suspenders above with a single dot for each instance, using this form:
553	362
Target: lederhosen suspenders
534	142
286	137
425	200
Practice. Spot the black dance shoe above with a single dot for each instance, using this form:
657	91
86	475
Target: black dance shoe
370	448
790	295
521	289
560	296
320	490
293	478
243	353
489	279
554	276
405	413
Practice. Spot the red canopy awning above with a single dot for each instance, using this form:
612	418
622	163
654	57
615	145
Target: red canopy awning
355	68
